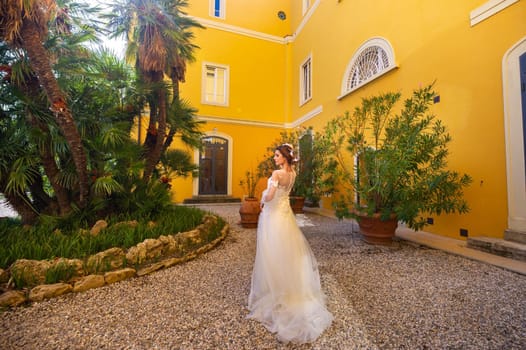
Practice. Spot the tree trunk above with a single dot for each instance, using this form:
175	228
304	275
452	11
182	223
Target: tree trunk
173	128
52	171
151	133
154	155
39	61
20	204
50	167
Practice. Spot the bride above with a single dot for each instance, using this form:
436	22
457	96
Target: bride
285	293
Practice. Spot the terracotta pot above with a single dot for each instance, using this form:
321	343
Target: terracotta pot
377	231
297	203
249	212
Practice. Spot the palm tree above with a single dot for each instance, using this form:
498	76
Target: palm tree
158	34
25	26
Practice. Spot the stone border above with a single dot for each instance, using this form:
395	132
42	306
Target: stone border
147	250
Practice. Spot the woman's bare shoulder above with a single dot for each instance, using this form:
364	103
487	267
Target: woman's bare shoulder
278	173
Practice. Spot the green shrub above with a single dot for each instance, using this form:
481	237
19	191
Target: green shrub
60	272
50	239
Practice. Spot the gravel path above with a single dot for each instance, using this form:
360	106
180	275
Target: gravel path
402	297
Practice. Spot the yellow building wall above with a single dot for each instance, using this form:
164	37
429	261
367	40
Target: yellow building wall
252	15
257	90
249	147
249	41
432	41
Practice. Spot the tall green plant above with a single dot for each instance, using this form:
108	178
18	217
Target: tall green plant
159	42
250	182
392	163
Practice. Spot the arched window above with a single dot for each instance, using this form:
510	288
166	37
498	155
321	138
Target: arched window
373	59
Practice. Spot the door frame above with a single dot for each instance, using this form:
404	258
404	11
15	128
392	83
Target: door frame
515	163
195	182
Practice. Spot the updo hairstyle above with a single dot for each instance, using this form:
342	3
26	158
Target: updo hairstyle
287	151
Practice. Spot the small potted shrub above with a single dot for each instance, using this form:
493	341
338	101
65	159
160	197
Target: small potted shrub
388	167
250	206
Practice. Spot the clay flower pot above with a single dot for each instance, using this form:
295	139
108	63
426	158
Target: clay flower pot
375	230
249	212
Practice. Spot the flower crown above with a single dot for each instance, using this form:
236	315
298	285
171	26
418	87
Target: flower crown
291	149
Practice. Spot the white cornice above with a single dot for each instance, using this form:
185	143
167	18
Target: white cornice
489	9
241	122
258	35
305	117
311	114
305	19
238	30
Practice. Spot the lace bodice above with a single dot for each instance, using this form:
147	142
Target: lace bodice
281	196
287	186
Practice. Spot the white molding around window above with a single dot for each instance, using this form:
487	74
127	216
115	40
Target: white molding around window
513	126
230	139
215	84
217	9
305	75
305	7
373	59
489	9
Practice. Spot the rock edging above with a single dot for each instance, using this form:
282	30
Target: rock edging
113	259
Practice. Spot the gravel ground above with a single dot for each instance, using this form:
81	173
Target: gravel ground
400	297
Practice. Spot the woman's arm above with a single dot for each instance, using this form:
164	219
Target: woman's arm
273	186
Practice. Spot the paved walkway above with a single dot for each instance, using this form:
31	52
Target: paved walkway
407	296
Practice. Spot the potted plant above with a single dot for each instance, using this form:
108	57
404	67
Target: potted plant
250	206
389	167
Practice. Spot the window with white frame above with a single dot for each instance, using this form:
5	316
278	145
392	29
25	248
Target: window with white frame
217	8
306	6
373	59
306	80
215	84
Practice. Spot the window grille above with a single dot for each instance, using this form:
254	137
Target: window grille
373	59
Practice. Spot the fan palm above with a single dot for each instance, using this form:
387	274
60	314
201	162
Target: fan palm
158	43
25	25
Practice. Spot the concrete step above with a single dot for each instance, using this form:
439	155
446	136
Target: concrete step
502	247
211	199
515	236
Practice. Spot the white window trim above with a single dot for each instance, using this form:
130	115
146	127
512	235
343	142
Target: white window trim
226	82
302	82
384	45
489	9
214	132
515	164
305	6
222	9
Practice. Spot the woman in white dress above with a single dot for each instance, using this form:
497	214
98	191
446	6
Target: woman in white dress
285	293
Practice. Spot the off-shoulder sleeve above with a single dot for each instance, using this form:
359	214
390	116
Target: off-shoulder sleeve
274	183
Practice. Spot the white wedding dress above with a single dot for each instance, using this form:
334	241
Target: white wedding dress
285	294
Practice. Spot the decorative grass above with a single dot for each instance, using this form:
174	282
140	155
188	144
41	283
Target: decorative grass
48	241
